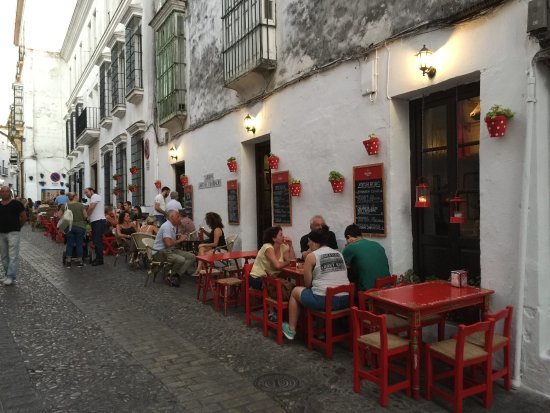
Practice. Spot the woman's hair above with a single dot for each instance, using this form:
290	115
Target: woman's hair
121	216
270	233
319	236
150	220
213	220
71	195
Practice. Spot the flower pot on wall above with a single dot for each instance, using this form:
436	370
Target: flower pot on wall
158	184
273	162
496	126
232	166
133	170
372	145
295	189
184	180
337	185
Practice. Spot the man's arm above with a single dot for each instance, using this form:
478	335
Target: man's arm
159	209
91	208
22	218
169	242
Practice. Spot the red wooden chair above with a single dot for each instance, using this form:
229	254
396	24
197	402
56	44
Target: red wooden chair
277	305
386	282
371	336
328	316
109	245
459	353
394	323
500	341
205	284
252	296
228	290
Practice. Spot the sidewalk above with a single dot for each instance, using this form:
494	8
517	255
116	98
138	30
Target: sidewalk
94	339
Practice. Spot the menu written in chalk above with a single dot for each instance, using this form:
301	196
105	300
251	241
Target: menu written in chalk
281	198
188	200
368	199
233	202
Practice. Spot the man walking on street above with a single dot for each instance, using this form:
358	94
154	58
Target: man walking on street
61	199
160	205
96	216
12	218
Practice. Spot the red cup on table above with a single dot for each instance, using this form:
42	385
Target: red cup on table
292	263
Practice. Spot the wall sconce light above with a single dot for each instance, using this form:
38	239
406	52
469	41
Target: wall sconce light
173	153
249	124
425	62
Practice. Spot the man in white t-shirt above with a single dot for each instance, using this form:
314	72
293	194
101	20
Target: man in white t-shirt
173	203
160	205
96	216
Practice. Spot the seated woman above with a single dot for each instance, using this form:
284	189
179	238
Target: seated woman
150	225
275	254
216	237
324	267
124	230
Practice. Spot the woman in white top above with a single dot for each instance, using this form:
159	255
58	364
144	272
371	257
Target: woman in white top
274	255
324	267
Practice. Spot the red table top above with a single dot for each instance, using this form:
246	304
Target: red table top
417	297
294	270
225	256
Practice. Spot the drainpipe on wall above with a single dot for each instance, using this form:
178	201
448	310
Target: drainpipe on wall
526	184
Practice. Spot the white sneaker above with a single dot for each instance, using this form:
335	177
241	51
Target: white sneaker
9	281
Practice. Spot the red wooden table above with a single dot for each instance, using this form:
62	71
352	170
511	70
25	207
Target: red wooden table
205	282
417	300
297	274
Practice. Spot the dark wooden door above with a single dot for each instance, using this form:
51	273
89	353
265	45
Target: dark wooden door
263	189
445	152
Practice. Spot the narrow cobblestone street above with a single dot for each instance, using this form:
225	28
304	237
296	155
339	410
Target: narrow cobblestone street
95	340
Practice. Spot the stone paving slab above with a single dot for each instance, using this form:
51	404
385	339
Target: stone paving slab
188	356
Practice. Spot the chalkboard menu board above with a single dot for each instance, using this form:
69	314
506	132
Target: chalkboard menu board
281	198
233	202
368	199
188	200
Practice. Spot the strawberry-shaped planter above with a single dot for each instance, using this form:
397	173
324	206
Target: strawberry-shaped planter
184	180
132	188
133	170
273	161
295	189
337	185
496	126
117	177
232	166
372	145
158	184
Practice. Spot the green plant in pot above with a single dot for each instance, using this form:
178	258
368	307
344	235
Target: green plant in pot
497	120
232	164
337	180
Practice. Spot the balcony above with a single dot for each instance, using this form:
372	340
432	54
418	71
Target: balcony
87	126
4	170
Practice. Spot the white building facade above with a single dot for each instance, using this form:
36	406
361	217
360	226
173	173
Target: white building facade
164	87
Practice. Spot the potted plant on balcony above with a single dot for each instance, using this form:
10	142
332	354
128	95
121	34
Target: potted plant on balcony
132	188
295	187
133	170
232	164
116	191
158	184
337	180
372	145
184	179
273	161
497	120
117	177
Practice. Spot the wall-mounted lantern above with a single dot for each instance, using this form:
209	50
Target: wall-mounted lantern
250	124
422	195
425	62
458	210
173	153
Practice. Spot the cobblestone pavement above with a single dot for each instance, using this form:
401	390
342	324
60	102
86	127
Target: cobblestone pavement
95	340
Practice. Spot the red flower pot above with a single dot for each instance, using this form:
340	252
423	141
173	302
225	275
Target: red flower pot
295	189
496	126
232	166
117	178
133	171
338	186
132	189
372	145
158	184
273	162
184	180
117	193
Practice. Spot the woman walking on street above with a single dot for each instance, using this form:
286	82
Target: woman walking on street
75	236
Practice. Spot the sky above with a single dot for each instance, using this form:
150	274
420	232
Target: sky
46	23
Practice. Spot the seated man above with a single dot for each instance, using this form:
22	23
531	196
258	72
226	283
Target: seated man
316	223
166	241
173	203
367	259
187	226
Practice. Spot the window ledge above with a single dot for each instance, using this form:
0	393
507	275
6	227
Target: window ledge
174	122
119	110
106	122
135	95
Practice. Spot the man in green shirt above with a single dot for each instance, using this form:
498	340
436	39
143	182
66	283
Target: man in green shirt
366	258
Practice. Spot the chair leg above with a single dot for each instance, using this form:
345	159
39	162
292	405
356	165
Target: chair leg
429	373
279	325
247	307
441	329
383	381
356	368
507	364
458	395
226	299
266	307
488	396
309	327
328	337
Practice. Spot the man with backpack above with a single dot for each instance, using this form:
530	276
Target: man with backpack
12	218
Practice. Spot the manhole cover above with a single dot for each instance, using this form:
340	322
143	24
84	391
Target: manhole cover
276	383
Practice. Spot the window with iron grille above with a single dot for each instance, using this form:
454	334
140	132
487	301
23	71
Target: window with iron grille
81	182
249	36
104	90
107	176
73	129
170	70
133	55
121	168
136	152
117	74
68	135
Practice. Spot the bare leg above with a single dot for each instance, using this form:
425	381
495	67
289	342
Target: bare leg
294	307
202	251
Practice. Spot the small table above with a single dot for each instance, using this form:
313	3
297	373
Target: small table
205	282
191	245
297	274
417	300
